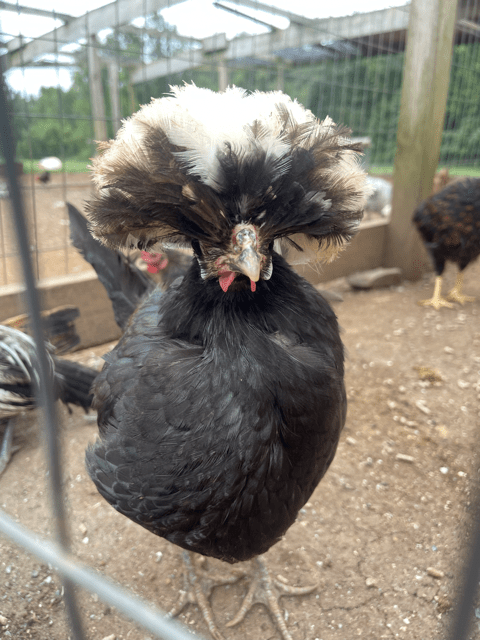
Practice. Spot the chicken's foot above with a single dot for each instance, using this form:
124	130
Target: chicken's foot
198	588
6	448
267	591
436	301
456	294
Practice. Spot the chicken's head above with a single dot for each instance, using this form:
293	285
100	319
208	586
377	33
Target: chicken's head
232	175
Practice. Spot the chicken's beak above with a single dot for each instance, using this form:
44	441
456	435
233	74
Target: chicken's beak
249	263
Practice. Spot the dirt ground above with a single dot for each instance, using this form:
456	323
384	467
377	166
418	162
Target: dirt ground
383	535
49	227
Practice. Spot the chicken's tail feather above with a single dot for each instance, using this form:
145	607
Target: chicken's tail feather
125	284
58	326
73	382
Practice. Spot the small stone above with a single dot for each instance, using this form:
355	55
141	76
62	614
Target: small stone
82	528
85	540
158	556
443	604
8	569
281	578
404	458
3	621
435	573
110	637
448	349
444	470
428	374
34	573
375	278
370	582
329	294
422	406
463	384
350	440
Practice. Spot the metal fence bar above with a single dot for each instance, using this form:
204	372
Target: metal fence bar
463	618
137	609
44	393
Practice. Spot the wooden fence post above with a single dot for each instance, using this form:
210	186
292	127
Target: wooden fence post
113	72
426	78
96	90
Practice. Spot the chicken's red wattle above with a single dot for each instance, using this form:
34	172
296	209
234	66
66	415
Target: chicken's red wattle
155	261
226	280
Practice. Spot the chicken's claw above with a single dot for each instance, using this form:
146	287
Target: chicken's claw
436	302
198	588
456	294
267	591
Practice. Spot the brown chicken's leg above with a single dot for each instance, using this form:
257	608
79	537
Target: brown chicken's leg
456	294
267	591
436	301
199	585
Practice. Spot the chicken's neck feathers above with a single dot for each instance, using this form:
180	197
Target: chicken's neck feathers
199	312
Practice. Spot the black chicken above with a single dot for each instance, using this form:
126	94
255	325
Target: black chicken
221	407
19	377
44	177
449	223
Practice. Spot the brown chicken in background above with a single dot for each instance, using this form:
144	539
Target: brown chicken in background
449	223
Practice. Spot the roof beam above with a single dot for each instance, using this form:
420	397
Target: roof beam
156	33
108	16
169	66
17	8
293	17
266	44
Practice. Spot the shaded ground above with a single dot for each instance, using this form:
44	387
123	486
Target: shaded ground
371	534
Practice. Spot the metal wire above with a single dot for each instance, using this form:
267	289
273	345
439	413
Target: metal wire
44	393
72	572
463	618
131	605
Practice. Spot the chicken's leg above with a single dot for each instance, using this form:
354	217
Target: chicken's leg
456	294
436	301
267	591
6	448
198	588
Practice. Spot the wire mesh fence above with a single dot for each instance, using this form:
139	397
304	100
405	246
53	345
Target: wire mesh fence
100	66
125	53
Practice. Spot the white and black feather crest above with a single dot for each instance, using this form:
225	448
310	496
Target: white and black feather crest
192	165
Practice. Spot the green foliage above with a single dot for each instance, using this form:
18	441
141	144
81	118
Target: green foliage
461	136
362	92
